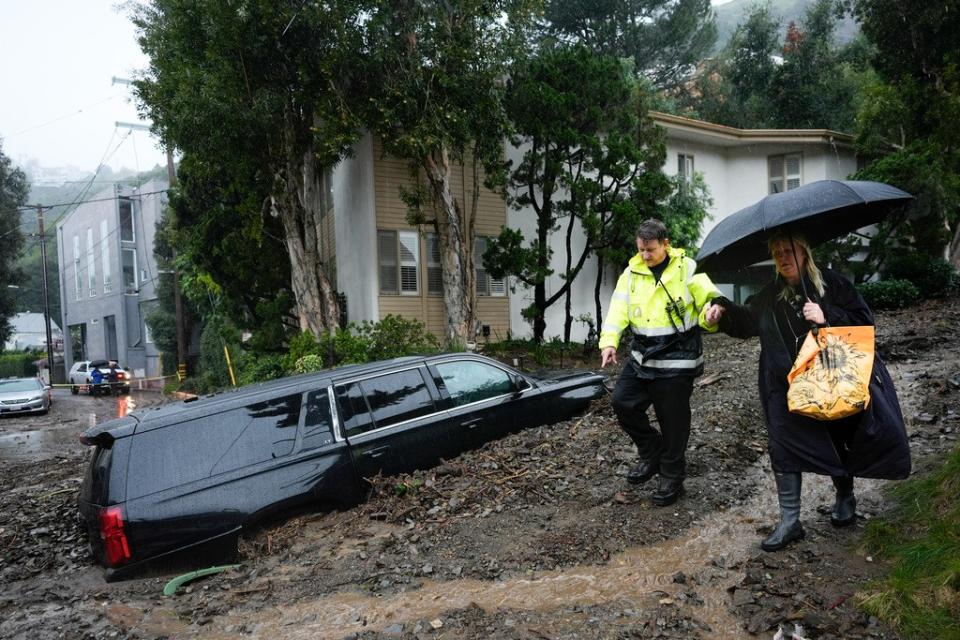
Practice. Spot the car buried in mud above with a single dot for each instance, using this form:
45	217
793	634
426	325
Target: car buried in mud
180	482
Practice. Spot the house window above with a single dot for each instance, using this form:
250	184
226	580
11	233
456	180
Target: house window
685	166
783	172
486	284
105	257
77	276
129	269
126	220
91	265
434	270
399	259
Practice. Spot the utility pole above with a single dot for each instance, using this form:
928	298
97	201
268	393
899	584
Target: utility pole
46	295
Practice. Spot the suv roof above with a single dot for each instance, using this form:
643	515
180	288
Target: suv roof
152	417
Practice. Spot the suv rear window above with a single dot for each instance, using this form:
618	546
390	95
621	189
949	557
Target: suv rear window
217	443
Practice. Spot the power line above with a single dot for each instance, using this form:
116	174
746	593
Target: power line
64	117
78	203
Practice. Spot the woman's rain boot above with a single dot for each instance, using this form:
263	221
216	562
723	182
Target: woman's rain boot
845	508
789	529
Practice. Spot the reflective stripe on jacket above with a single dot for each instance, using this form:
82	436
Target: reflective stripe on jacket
665	318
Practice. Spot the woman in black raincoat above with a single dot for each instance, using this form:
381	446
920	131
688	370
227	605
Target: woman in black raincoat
870	444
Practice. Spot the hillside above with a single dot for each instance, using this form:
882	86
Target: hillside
731	14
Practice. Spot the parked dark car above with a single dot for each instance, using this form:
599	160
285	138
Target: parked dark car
188	477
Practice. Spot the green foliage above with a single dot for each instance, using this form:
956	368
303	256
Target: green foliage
18	364
395	336
13	194
919	538
928	172
163	328
664	39
814	85
907	124
889	294
217	332
932	275
259	369
304	344
591	159
309	363
685	211
253	95
434	79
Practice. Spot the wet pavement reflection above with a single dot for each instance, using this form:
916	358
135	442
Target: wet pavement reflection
39	437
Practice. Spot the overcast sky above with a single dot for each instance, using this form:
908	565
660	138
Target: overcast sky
57	58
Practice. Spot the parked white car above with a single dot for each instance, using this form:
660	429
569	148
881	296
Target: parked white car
24	395
82	377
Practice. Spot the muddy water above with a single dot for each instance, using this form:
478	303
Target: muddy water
634	576
25	438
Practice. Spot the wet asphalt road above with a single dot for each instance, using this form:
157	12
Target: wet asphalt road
25	438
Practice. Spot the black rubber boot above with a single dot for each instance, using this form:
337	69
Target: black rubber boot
845	508
789	528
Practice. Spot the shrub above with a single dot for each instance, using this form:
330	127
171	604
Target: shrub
889	294
395	336
19	364
304	344
932	275
261	368
309	363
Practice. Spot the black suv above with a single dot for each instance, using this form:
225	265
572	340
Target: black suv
189	476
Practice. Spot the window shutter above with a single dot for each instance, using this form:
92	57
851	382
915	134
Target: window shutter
434	270
409	262
387	248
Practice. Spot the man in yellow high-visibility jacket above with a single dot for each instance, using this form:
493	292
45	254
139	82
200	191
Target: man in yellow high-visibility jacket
664	304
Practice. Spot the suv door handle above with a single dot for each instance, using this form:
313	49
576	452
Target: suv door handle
379	452
471	424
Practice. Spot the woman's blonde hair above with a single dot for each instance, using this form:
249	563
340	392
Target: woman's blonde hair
810	267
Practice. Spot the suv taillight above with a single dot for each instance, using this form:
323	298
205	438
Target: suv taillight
115	547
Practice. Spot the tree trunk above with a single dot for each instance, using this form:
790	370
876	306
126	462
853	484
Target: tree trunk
455	235
596	293
300	209
568	317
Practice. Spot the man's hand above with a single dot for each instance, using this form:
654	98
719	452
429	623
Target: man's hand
714	313
608	355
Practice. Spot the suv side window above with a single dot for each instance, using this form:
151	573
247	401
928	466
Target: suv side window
399	396
383	400
467	381
318	423
268	431
82	368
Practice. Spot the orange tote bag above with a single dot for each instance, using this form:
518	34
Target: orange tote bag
830	378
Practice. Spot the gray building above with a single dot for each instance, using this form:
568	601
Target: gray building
108	276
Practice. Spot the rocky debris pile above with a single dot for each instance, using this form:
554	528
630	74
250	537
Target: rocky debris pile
805	585
39	532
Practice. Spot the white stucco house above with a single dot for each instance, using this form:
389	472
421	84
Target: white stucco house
739	166
385	266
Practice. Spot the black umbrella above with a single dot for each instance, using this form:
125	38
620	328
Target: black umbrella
820	211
